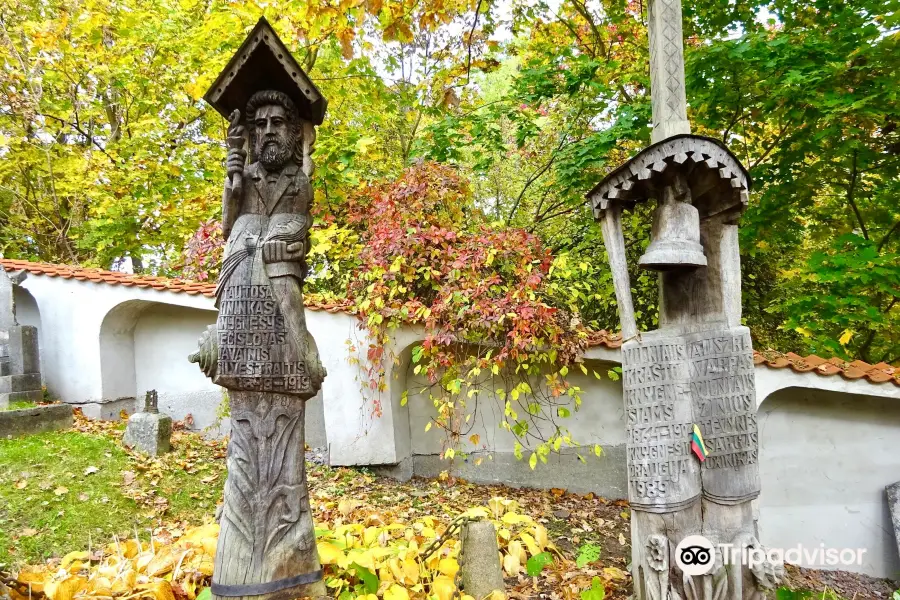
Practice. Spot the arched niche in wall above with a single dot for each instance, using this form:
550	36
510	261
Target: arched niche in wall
29	313
27	310
825	457
117	349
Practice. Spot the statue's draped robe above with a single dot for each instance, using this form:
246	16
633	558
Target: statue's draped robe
261	328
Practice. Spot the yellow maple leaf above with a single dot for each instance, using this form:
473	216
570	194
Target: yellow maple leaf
65	589
200	534
34	580
443	587
530	543
395	592
511	564
72	557
615	573
448	566
410	571
516	547
345	507
363	558
541	536
161	563
512	518
370	535
329	554
161	590
124	583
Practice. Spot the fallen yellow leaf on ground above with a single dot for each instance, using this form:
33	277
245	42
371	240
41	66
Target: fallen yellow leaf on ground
395	592
448	566
443	587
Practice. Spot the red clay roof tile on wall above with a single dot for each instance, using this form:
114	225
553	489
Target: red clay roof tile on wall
162	284
604	338
880	373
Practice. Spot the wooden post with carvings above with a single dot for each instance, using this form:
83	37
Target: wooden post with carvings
260	349
695	373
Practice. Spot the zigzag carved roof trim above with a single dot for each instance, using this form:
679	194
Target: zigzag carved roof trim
629	183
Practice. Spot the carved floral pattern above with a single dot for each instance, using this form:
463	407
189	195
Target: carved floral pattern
266	481
658	553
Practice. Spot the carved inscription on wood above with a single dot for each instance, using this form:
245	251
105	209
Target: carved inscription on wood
723	387
662	474
253	342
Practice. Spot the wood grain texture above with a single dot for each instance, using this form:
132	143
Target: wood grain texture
615	251
696	369
717	180
666	69
261	351
266	528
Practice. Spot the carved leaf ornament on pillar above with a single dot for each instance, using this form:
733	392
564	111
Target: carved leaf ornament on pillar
262	478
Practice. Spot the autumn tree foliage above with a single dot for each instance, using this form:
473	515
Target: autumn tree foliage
481	292
108	151
203	252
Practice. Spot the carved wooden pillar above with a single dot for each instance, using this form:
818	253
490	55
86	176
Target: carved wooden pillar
267	533
260	349
615	251
694	374
667	70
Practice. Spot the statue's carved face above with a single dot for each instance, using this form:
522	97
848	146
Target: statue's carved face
273	136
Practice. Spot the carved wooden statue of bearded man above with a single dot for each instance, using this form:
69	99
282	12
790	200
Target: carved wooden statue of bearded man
261	351
267	221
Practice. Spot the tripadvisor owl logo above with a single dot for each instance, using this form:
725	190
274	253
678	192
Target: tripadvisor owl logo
695	555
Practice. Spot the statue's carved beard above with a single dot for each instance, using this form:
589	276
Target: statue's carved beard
274	154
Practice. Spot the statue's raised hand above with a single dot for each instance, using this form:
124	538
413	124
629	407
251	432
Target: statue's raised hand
234	164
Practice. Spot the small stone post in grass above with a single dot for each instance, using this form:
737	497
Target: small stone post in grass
480	560
148	431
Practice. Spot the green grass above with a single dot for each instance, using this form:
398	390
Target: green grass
785	593
20	405
65	491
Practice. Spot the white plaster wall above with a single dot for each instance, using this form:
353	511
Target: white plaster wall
599	419
355	435
164	336
71	316
99	342
828	445
117	372
825	459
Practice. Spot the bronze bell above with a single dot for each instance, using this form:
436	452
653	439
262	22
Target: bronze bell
675	237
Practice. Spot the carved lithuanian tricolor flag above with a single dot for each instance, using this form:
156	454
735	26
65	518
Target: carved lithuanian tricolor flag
697	444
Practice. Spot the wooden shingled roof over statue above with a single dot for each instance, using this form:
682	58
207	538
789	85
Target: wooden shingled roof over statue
264	62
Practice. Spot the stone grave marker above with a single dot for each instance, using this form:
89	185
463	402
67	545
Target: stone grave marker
20	361
689	386
149	431
260	349
893	498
